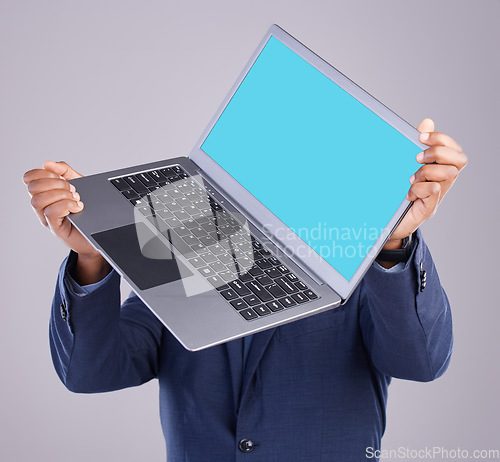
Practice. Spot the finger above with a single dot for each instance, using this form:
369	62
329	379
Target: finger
42	200
62	169
38	173
427	125
443	155
56	213
439	139
426	198
46	184
435	172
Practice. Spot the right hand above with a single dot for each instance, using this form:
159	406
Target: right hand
53	199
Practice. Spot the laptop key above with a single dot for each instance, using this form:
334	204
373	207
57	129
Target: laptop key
207	271
120	184
291	277
256	245
164	213
276	290
146	211
251	300
300	298
135	184
166	172
216	249
262	310
182	231
264	279
274	261
287	302
226	258
227	275
207	240
264	263
172	206
190	240
217	266
245	277
258	290
146	179
130	194
209	258
283	269
273	273
275	305
157	175
229	294
249	314
239	304
181	215
301	286
238	287
310	294
190	223
255	271
286	285
217	282
197	262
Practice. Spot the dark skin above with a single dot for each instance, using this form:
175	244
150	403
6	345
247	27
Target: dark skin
53	199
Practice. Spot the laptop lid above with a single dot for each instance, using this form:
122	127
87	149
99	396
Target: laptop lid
312	158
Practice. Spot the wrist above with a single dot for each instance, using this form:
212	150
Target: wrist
395	250
393	244
90	269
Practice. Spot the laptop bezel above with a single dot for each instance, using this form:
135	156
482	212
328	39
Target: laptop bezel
263	217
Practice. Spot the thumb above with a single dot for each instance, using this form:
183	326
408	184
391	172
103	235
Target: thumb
426	126
62	169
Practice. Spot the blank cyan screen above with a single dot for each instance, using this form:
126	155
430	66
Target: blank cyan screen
322	162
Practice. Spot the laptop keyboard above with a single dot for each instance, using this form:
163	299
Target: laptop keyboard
252	280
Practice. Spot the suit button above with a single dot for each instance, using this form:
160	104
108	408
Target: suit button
423	278
64	311
246	445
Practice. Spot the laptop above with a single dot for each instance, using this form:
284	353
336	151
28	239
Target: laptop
275	215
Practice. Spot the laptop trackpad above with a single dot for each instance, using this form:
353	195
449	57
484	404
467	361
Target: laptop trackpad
141	255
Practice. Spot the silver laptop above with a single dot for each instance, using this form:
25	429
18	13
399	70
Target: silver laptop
276	214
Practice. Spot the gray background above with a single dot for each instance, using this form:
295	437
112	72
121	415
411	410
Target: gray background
105	84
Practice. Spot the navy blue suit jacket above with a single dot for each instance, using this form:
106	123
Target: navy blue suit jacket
312	390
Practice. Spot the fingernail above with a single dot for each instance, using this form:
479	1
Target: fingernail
412	179
80	204
76	196
72	188
420	157
424	136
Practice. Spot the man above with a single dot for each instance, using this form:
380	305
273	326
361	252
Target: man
311	390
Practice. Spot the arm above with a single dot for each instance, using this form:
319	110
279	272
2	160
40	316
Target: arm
407	331
407	328
97	345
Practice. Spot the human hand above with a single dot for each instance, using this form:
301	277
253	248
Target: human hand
53	199
443	161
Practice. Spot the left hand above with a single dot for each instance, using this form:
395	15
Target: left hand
442	161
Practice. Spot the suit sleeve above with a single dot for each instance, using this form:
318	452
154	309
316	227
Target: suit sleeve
407	325
98	345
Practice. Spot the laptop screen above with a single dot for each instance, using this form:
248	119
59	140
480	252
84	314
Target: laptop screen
328	167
